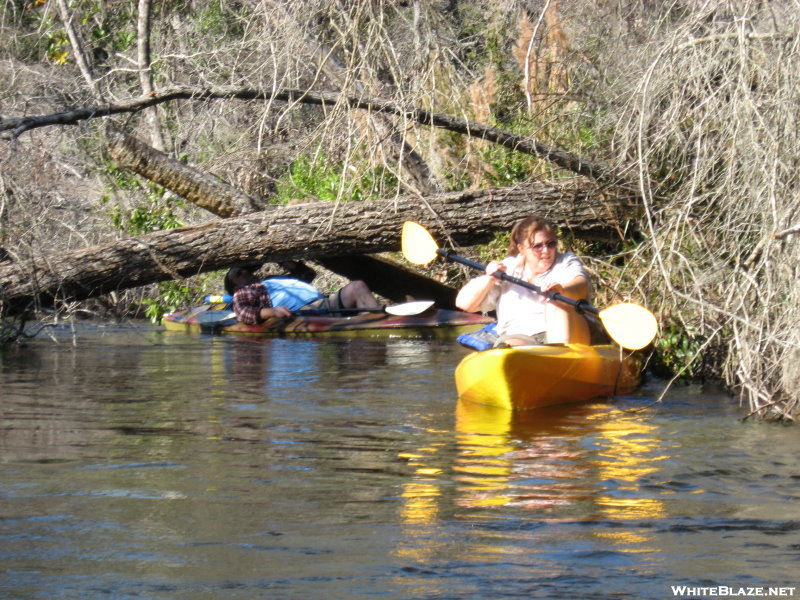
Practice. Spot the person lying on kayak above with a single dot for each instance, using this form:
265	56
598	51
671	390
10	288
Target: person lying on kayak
255	301
523	316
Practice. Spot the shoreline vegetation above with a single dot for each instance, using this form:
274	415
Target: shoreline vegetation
688	112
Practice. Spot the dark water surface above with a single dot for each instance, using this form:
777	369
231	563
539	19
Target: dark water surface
141	464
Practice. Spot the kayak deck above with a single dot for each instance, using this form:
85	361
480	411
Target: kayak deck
528	377
433	323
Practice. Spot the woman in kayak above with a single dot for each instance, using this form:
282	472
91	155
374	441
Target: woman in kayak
523	316
255	301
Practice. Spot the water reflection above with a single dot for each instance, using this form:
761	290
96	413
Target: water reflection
204	467
627	450
528	459
585	462
536	459
295	362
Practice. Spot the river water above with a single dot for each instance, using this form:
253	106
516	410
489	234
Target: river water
143	464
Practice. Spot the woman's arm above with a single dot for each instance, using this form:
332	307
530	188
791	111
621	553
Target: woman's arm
576	288
471	296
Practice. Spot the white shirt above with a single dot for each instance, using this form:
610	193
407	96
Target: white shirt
522	311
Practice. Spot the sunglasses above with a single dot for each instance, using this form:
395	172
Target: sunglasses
542	245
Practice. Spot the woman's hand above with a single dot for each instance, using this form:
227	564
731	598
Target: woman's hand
553	287
577	289
495	266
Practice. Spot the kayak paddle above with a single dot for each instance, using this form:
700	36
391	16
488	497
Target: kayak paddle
630	325
220	318
405	309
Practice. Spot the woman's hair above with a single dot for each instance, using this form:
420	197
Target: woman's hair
524	230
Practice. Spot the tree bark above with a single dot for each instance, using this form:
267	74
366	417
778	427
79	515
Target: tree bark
203	189
145	68
299	231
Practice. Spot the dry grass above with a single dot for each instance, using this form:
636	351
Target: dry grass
708	124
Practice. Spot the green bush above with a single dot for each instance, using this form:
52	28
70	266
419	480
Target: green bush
173	295
677	351
320	179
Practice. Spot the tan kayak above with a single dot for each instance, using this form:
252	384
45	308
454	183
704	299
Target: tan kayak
430	323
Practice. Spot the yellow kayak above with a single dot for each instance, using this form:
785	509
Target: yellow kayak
528	377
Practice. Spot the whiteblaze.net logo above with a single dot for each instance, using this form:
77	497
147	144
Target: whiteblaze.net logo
724	591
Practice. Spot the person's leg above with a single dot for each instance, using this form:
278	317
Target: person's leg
356	294
516	339
565	325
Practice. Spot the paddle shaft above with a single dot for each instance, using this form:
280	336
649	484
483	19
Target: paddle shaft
399	310
306	312
581	306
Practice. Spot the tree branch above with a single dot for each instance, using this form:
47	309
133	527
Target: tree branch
561	158
786	232
78	48
145	68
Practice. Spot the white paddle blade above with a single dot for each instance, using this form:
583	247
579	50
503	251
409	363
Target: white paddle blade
417	244
630	325
216	317
409	308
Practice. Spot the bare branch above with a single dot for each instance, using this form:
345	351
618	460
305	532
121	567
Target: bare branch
561	158
145	72
786	232
78	47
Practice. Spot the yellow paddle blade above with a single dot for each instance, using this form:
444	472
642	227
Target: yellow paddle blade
630	325
417	244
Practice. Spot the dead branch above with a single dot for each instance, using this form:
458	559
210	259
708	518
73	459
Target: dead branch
561	158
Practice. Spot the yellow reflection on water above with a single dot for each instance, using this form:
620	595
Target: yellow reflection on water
483	465
419	513
525	459
632	451
220	377
422	491
582	462
420	503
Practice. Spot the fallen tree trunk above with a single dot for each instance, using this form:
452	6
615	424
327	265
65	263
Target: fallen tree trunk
389	279
300	231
